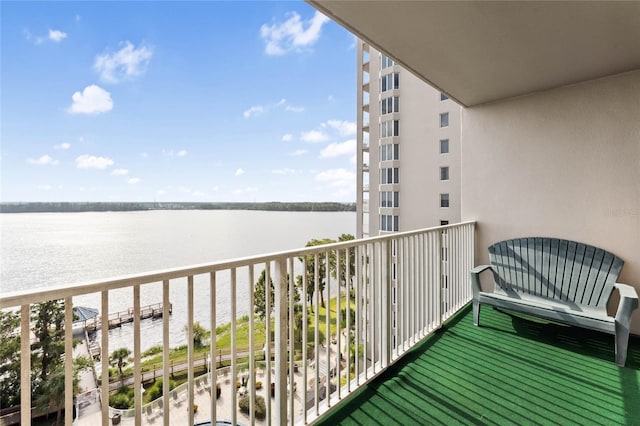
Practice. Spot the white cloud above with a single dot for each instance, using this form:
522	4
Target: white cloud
285	171
92	162
294	108
337	178
294	34
45	160
344	128
287	137
33	38
120	172
92	100
239	172
257	110
44	187
57	35
172	153
298	152
161	192
338	149
144	154
128	62
314	136
133	181
253	111
330	98
62	146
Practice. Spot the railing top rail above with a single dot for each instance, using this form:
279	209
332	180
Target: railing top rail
30	296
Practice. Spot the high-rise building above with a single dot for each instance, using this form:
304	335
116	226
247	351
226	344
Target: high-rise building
408	142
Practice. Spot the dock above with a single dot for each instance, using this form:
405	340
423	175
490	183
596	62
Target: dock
116	319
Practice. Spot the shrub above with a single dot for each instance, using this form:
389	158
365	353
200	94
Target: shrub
258	385
260	407
155	391
121	401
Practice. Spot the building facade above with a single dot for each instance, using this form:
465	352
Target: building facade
408	158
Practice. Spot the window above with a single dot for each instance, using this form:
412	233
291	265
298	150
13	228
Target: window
443	97
389	105
444	200
389	199
385	62
389	223
444	146
444	173
444	119
389	128
389	82
389	175
389	152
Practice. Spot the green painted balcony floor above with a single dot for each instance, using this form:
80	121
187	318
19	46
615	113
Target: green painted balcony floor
512	370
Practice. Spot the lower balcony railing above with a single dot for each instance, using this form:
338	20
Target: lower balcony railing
337	316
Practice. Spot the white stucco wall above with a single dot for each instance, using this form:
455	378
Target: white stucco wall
561	163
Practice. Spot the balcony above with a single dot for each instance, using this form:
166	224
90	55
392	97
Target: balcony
309	363
513	369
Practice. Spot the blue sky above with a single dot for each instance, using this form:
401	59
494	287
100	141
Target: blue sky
176	101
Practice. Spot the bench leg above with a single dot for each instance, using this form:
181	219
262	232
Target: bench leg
622	341
476	312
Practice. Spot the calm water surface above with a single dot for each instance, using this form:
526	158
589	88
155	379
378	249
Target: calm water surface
46	249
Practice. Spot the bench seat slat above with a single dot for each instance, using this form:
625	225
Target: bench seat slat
560	280
590	273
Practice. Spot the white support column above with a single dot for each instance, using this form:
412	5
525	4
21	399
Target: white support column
234	353
190	350
137	382
68	361
25	365
165	352
212	349
104	357
280	278
252	361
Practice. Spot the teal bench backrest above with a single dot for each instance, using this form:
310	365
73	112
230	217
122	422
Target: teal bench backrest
556	269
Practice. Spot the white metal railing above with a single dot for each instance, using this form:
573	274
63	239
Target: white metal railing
383	295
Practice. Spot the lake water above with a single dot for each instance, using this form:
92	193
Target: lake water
46	249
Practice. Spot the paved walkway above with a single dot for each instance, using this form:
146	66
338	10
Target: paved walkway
178	413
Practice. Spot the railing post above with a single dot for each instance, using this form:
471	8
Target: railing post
280	276
68	361
387	307
25	365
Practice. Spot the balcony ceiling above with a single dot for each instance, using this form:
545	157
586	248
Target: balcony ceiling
484	51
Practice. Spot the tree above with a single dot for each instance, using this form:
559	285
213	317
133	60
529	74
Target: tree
119	359
48	319
310	270
259	295
200	334
9	359
51	393
344	280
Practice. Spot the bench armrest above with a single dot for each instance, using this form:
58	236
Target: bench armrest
475	278
628	303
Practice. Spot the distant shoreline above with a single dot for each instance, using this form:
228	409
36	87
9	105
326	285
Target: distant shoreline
76	207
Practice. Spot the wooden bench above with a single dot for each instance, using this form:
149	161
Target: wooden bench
559	280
